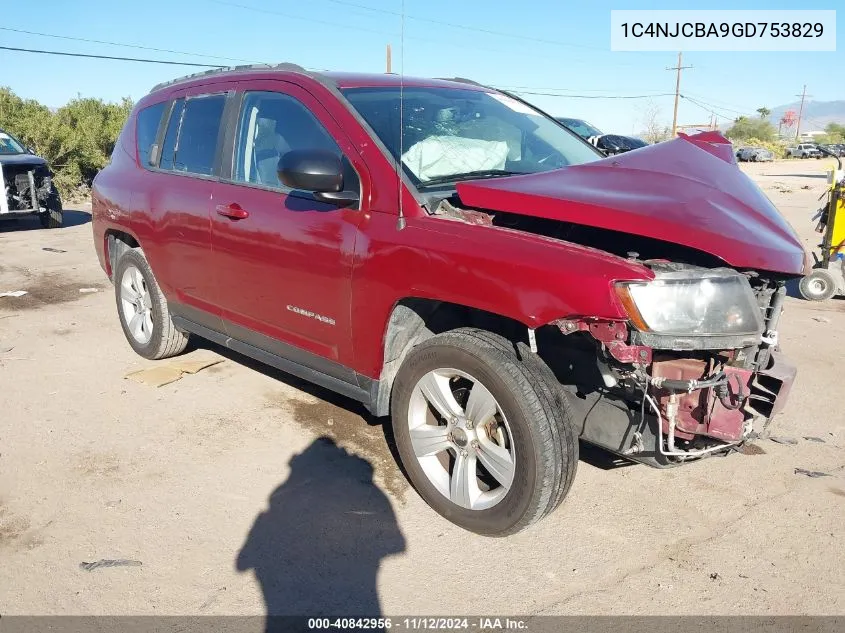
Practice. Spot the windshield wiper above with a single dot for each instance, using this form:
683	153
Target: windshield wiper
470	175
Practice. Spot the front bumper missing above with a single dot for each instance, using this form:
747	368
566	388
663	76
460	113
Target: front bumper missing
5	211
771	386
618	425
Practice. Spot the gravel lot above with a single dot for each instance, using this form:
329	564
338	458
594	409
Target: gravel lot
219	485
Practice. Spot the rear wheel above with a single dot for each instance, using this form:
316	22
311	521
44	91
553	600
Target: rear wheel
817	286
142	309
485	437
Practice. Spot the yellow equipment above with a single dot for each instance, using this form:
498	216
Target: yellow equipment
828	276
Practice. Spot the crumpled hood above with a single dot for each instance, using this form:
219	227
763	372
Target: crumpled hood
21	159
687	191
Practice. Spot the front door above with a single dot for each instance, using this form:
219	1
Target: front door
282	259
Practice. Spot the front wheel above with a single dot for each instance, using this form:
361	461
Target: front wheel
485	436
53	217
817	286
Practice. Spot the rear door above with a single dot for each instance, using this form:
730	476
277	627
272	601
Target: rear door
283	259
178	195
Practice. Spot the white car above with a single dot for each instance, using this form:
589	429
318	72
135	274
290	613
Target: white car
804	150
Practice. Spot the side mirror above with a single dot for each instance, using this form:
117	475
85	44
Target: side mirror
317	171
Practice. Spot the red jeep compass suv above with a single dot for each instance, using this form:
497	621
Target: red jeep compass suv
452	257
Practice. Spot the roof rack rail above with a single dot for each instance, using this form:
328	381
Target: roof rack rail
296	68
463	80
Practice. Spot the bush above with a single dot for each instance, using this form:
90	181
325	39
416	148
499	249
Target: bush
77	139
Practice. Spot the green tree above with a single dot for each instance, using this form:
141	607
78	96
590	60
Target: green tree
835	133
77	139
745	128
764	112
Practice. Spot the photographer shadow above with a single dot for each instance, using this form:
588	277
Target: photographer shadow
317	547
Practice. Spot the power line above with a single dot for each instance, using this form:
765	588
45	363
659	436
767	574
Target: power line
465	27
709	107
299	17
197	64
716	103
111	57
427	39
568	96
136	46
576	90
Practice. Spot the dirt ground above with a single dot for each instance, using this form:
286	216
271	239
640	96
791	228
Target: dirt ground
219	486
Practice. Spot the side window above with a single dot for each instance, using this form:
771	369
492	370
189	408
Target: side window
146	130
272	124
169	146
197	142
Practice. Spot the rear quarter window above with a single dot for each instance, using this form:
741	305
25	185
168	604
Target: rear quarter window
147	130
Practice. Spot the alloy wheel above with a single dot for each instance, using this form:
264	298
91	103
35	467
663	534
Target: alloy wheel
461	439
136	304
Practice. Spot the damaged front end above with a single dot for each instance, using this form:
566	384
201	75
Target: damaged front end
27	187
694	371
688	365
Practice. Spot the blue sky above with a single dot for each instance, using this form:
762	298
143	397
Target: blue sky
569	55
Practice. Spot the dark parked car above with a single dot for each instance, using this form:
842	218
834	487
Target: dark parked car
612	144
26	184
581	128
512	291
754	154
834	149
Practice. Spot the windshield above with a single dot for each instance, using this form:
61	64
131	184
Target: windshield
452	134
9	145
581	128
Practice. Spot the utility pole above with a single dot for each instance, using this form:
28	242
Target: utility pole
803	95
389	60
677	68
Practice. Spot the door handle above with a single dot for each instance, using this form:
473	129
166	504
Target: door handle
233	211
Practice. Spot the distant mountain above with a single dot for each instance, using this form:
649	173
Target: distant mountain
817	114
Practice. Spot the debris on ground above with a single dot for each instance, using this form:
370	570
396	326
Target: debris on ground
13	293
779	186
157	376
191	366
4	350
805	187
780	439
821	319
161	375
811	473
812	438
87	290
715	576
751	449
212	598
104	562
50	249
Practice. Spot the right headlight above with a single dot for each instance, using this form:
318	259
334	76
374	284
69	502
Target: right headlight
697	302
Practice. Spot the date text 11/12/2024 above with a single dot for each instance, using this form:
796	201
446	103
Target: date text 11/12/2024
491	624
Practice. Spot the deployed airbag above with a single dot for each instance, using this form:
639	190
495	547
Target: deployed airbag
446	155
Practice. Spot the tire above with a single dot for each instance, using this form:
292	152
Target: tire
138	294
819	285
53	217
532	421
